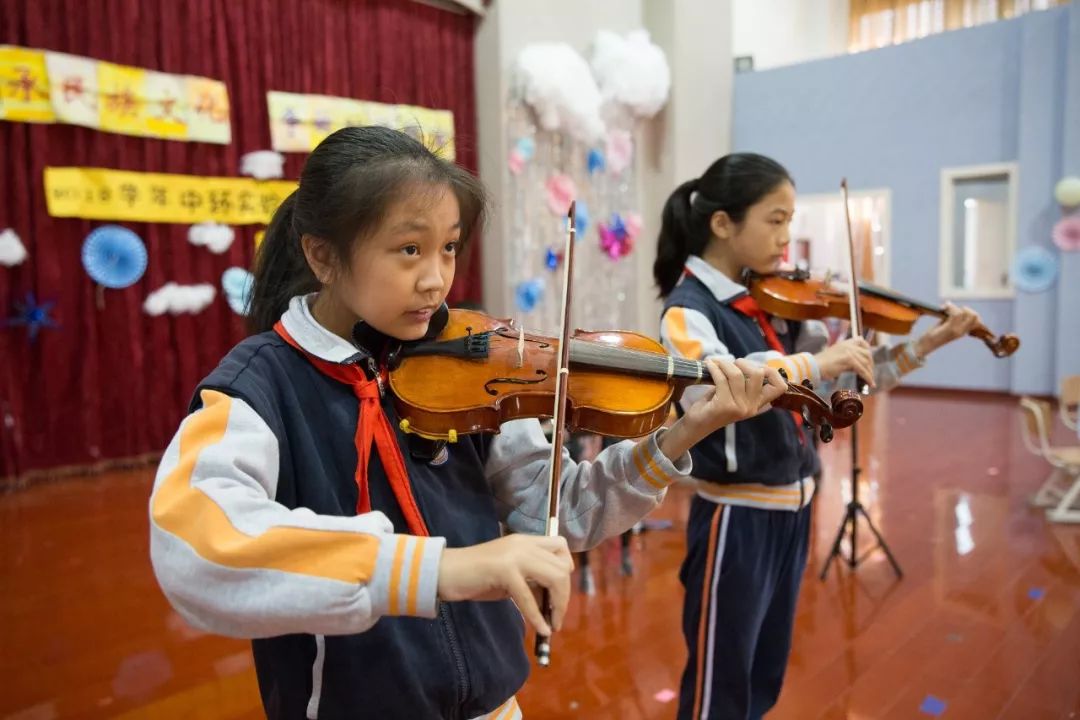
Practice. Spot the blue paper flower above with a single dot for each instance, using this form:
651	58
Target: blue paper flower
529	293
33	316
1034	269
581	219
114	256
596	161
552	259
236	283
526	147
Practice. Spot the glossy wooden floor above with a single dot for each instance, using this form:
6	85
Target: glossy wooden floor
985	623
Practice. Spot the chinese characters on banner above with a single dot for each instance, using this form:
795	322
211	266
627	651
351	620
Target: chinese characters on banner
300	122
97	194
49	87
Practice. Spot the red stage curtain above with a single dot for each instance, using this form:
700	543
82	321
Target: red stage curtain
114	382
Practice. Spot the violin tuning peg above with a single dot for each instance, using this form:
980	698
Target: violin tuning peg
807	384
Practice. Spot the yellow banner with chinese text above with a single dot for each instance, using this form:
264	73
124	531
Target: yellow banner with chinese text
101	194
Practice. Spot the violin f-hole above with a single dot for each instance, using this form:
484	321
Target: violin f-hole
490	389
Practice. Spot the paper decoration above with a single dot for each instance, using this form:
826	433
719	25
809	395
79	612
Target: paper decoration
97	194
74	88
45	86
620	151
631	72
1067	192
526	147
1034	269
581	219
24	86
263	164
554	80
299	122
176	299
615	239
529	293
595	161
33	316
114	257
552	259
516	162
12	251
217	238
237	283
561	190
166	96
1066	234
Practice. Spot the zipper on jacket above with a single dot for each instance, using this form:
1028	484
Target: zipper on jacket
459	658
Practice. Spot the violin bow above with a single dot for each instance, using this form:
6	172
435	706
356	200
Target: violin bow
562	392
853	283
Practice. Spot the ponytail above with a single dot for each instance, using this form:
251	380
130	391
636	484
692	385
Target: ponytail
677	241
281	270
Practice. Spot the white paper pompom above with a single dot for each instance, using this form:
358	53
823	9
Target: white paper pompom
12	251
554	80
263	164
631	72
217	238
176	299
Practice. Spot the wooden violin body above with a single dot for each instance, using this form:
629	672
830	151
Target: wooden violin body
481	372
796	296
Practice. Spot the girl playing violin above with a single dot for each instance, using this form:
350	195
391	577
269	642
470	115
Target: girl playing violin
374	581
748	530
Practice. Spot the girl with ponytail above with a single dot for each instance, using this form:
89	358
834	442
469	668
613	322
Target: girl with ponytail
749	525
367	565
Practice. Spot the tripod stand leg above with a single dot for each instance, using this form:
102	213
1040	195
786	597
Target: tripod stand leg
835	552
882	544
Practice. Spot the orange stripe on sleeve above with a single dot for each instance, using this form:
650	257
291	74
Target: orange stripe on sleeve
414	576
637	456
675	324
395	575
190	514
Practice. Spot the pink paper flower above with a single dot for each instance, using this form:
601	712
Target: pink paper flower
516	161
560	193
620	151
633	225
1067	233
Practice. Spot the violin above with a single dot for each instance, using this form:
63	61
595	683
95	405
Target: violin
796	296
621	384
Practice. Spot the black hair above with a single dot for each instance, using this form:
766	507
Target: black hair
347	185
733	184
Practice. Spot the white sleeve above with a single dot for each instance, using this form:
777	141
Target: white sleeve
233	561
599	499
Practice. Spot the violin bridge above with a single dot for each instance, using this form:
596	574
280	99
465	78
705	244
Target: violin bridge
521	346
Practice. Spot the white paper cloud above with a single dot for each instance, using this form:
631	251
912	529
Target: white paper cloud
262	164
176	299
216	238
556	83
12	251
631	72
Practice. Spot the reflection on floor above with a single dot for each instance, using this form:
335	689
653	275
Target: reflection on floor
985	623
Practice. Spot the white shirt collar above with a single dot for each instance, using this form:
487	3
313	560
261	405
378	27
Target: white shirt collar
720	285
313	337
